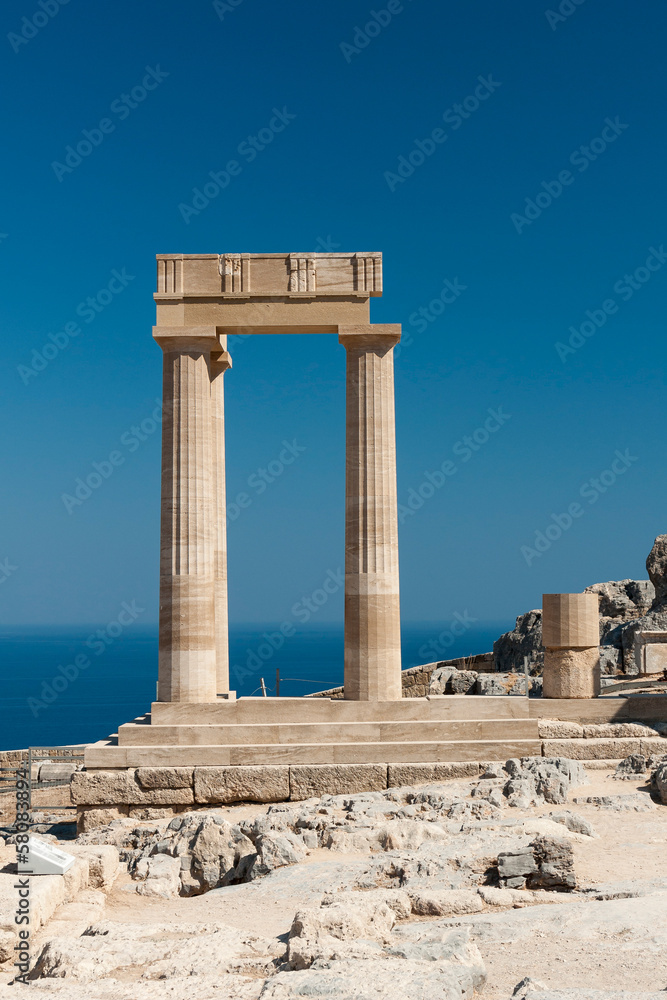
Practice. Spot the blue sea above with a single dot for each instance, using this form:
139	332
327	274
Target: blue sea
62	686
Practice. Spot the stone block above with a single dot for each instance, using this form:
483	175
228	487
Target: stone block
501	684
310	780
572	673
555	729
616	730
103	861
445	902
162	794
653	745
154	778
99	788
570	620
92	818
56	771
253	783
400	775
655	657
592	749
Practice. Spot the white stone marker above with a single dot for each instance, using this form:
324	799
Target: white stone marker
44	859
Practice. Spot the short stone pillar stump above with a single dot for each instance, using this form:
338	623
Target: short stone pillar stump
571	640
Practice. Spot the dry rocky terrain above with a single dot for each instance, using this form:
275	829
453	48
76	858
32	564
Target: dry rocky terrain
539	873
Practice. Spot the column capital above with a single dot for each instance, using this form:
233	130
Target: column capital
366	336
221	362
187	338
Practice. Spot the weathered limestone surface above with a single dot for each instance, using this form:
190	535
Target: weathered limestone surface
554	729
571	673
153	778
332	779
269	783
592	749
417	774
99	788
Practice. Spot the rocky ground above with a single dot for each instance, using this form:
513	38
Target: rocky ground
540	874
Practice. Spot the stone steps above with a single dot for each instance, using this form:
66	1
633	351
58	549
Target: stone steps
284	733
323	710
413	751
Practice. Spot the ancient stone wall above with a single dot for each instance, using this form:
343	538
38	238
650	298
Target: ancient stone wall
417	680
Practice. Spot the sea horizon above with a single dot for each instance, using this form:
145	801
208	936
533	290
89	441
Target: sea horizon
64	684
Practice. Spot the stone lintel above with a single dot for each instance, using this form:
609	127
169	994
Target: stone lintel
243	275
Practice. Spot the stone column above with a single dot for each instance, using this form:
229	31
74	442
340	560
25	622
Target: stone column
219	365
187	670
571	640
372	614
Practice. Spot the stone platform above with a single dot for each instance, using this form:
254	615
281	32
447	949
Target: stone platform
183	756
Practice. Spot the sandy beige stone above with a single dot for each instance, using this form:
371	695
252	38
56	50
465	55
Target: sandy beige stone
220	363
372	613
163	794
423	774
591	749
99	788
266	783
653	745
187	655
153	778
91	818
555	729
614	730
103	863
570	620
445	902
571	673
331	779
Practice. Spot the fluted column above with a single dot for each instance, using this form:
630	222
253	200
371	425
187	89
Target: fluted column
372	614
187	657
219	365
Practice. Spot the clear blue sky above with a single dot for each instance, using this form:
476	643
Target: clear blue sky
330	180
